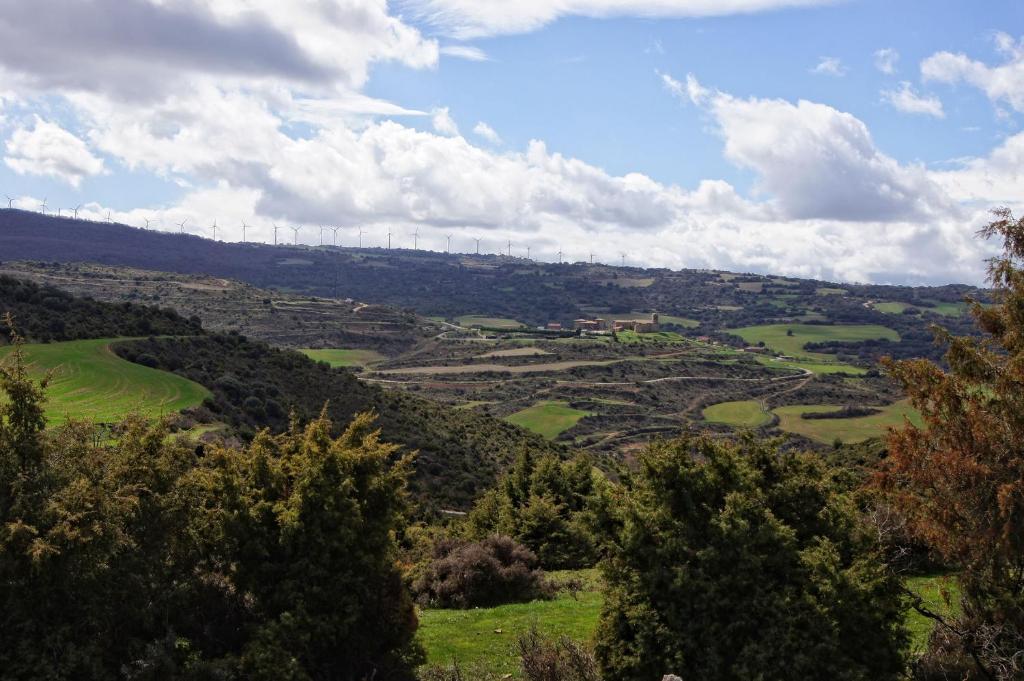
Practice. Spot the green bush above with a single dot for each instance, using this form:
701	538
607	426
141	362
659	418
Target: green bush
735	562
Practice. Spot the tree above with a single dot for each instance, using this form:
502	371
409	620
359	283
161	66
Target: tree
544	503
133	554
736	561
959	479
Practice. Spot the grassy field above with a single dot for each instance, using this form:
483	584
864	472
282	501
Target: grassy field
848	430
816	367
549	419
776	336
634	338
91	382
471	636
678	321
340	357
930	588
742	414
944	309
892	307
491	322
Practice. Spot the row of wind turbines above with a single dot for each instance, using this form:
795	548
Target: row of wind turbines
73	214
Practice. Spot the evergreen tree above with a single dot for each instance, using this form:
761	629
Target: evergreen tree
959	479
737	562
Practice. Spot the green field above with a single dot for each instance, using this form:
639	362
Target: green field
469	636
930	588
825	291
742	414
816	367
549	419
632	337
944	309
340	357
489	322
775	336
91	382
848	430
678	321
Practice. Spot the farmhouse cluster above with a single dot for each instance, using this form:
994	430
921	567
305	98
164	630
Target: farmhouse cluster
638	325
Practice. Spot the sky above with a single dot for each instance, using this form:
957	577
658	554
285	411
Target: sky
847	140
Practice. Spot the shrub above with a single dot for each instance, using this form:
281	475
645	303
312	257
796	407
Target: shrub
560	660
738	561
486	573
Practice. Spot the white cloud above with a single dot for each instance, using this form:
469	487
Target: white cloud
1002	83
829	66
444	123
476	18
487	132
885	60
906	100
997	179
50	150
467	52
817	162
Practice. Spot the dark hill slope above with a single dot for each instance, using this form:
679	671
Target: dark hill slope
256	385
43	314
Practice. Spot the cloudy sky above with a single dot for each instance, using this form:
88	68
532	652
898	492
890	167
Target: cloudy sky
855	140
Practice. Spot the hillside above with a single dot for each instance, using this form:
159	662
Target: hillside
497	287
45	313
255	386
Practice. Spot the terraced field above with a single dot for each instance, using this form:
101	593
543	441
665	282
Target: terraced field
549	419
741	414
777	336
491	322
339	357
849	431
91	382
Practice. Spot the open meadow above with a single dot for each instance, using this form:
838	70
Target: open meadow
790	339
91	382
847	430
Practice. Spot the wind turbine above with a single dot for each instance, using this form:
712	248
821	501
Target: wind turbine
181	226
215	229
58	211
335	230
416	239
275	233
295	235
42	207
623	259
560	255
528	253
591	257
510	248
244	227
321	235
477	245
448	249
76	209
10	202
389	239
147	222
108	217
361	233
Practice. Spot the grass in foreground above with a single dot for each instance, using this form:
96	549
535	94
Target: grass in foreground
549	419
471	636
340	357
930	588
776	336
91	382
742	414
849	431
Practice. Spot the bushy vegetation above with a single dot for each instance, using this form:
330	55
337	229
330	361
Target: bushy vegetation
741	562
44	314
958	480
146	559
547	504
490	572
255	385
